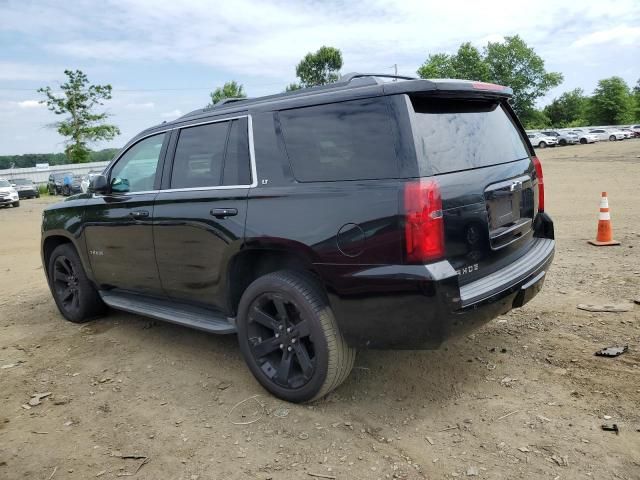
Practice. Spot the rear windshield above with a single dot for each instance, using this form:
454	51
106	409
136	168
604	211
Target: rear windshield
340	141
454	134
21	181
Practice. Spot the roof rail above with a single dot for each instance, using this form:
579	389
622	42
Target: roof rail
227	100
353	75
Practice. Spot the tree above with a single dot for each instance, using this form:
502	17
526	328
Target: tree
536	119
319	68
82	126
611	103
516	65
230	89
568	109
293	86
636	98
438	65
511	63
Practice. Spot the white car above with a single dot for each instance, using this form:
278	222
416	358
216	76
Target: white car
585	137
8	194
563	138
542	141
607	134
86	180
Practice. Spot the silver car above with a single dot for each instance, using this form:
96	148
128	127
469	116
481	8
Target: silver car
563	138
606	134
542	141
585	137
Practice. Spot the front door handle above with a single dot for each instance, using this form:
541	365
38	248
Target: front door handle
224	212
139	214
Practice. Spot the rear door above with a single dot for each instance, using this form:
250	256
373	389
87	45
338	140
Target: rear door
478	153
200	215
118	225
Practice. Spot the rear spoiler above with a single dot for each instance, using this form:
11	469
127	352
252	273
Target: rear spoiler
449	87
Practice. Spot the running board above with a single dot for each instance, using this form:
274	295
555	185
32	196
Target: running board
170	311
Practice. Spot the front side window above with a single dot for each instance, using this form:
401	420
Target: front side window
136	170
340	141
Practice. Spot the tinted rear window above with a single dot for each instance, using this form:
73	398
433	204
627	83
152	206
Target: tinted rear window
454	135
340	141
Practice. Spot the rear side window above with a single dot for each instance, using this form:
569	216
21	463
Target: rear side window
212	155
454	135
340	141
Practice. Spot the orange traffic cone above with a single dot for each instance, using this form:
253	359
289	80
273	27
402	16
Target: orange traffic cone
605	232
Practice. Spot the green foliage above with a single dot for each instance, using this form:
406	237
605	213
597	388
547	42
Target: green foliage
30	159
82	126
569	109
511	63
230	89
636	100
515	64
535	119
42	189
293	86
611	103
319	68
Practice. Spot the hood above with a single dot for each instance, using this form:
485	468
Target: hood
7	189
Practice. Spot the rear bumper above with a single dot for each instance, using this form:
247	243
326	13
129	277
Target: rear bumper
27	193
420	306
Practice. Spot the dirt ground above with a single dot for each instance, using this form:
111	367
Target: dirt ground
523	397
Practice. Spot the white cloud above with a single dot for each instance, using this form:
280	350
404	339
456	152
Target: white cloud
28	71
30	104
172	114
620	35
140	106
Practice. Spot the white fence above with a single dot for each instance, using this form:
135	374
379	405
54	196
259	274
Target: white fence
41	175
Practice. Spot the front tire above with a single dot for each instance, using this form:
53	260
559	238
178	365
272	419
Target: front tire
16	204
542	145
583	141
612	138
289	337
76	297
563	143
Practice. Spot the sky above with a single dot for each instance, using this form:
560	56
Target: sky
162	58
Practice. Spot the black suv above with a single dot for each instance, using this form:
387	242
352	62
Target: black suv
361	214
55	184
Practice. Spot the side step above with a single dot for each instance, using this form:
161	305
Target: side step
170	311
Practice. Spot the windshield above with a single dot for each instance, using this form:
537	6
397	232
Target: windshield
4	183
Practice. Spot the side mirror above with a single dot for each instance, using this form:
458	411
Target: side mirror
99	184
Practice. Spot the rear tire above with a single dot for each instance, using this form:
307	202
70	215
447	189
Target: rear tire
76	297
583	141
563	143
289	337
612	138
542	145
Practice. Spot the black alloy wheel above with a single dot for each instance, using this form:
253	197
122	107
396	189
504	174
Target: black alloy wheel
289	337
280	340
65	283
74	294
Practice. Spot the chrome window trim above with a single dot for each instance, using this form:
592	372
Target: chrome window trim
252	158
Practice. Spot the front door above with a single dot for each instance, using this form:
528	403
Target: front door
119	225
200	216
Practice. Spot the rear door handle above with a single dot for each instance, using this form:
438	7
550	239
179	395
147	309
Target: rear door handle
139	214
224	212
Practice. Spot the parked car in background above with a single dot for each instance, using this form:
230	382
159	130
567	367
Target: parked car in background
542	141
636	129
55	183
8	194
26	188
563	138
86	179
628	133
72	185
584	136
606	134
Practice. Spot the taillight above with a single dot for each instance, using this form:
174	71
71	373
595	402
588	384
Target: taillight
538	167
424	225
